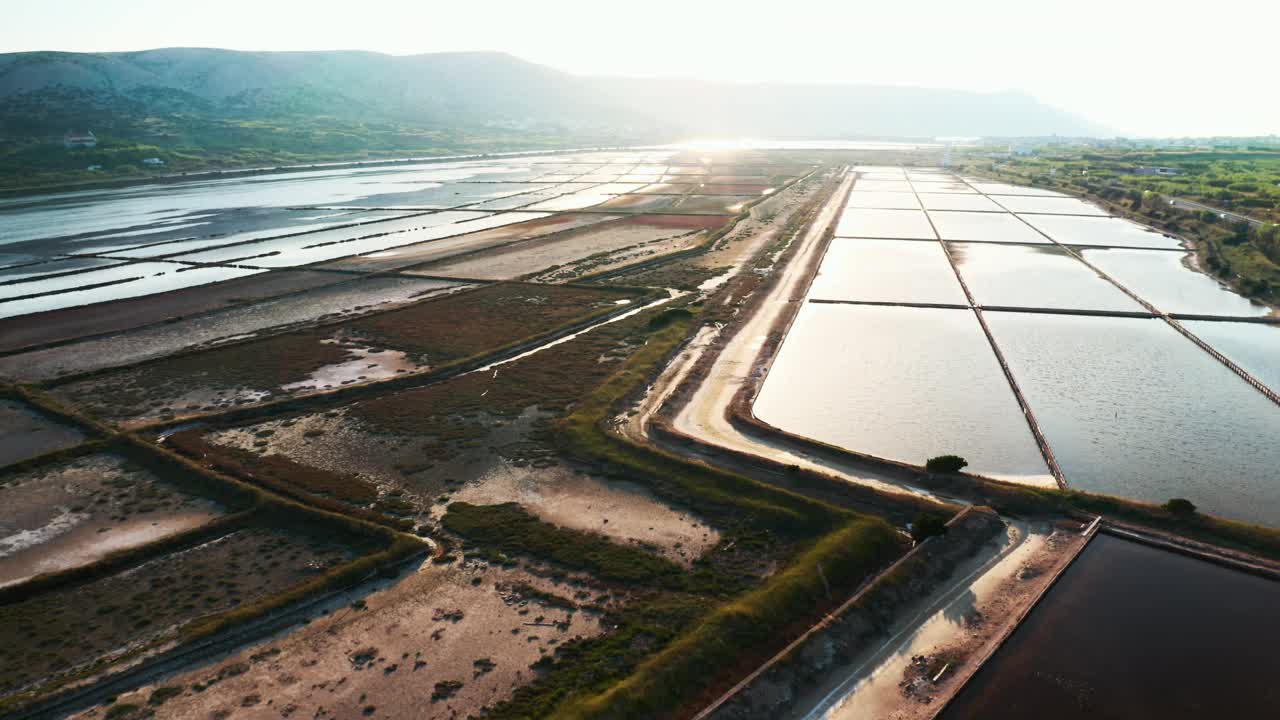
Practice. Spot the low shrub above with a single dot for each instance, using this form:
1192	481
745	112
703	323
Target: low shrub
946	464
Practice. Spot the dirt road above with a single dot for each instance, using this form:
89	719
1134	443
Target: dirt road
704	416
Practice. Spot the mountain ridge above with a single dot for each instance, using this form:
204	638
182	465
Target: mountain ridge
488	87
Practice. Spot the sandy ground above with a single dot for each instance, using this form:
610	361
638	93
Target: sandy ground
550	490
389	654
953	627
623	512
77	512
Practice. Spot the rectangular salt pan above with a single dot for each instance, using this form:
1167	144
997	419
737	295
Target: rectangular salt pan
900	224
900	383
886	271
1116	232
877	199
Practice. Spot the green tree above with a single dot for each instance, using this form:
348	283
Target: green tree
946	464
926	525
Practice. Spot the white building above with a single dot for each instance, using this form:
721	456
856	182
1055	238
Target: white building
85	139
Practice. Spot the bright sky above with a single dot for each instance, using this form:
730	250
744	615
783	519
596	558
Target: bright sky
1139	66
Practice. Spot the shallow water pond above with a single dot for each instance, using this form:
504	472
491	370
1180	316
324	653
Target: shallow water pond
1132	408
1255	347
956	201
1035	276
1165	280
985	227
1118	232
1130	631
900	383
894	224
886	271
1049	205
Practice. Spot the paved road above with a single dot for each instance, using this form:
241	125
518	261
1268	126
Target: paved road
1191	205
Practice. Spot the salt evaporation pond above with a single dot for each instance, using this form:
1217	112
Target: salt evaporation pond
886	271
1035	276
995	188
1130	631
219	204
1255	347
880	199
1048	205
957	201
985	227
1164	280
893	224
1132	408
900	383
134	280
1105	231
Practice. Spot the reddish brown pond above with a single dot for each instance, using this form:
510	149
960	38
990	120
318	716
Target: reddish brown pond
1130	631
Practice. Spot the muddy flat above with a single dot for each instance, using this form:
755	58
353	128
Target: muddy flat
25	433
70	514
347	299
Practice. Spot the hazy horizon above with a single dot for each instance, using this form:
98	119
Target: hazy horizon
1141	70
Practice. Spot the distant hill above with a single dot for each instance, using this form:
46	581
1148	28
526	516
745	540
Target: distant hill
438	89
831	111
199	108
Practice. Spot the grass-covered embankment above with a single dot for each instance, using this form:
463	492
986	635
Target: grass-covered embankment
734	637
679	641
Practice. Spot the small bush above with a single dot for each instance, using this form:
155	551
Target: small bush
926	525
162	694
1181	507
666	317
946	464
